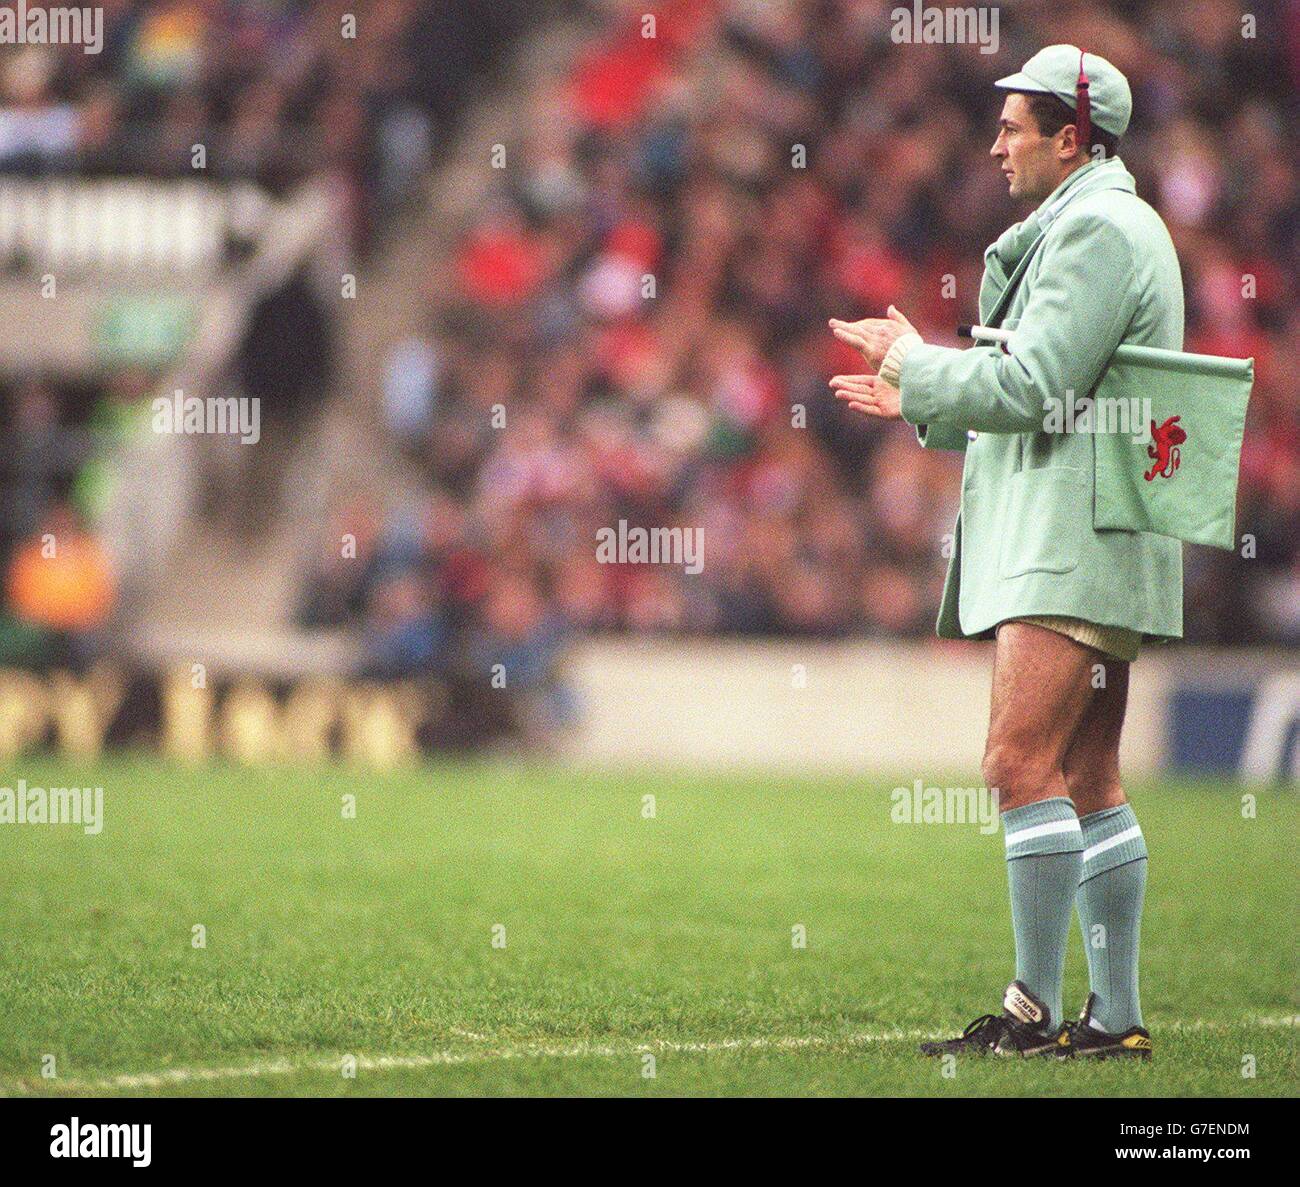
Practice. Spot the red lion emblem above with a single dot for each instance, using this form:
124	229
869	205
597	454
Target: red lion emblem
1167	438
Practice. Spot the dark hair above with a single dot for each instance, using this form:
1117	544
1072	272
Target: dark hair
1053	113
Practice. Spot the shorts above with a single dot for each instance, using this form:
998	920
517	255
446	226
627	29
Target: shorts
1115	641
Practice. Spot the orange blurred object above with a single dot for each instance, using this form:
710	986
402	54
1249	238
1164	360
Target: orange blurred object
63	582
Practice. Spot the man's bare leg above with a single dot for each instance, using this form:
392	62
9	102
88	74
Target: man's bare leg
1042	690
1092	760
1113	877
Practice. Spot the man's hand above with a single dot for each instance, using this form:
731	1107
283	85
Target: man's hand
873	336
868	394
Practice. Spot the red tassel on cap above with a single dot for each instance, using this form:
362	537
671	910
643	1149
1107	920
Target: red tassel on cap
1083	108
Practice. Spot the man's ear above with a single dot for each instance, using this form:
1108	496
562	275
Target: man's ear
1069	142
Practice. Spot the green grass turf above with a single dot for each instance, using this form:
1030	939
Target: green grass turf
373	936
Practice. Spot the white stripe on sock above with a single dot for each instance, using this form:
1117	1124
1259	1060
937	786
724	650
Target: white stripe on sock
1128	834
1044	830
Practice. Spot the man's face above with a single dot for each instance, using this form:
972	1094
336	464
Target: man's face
1031	161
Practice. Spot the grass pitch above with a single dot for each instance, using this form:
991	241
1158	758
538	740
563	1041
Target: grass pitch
625	936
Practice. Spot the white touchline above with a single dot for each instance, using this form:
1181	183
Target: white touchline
276	1067
381	1063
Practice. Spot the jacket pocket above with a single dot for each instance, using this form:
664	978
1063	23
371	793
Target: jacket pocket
1045	513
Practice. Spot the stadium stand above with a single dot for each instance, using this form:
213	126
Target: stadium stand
760	168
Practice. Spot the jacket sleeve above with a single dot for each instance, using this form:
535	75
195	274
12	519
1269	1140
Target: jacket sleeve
1079	307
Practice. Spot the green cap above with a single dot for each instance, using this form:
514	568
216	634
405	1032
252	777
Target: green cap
1055	71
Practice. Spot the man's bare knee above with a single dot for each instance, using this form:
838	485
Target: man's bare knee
1021	774
1094	790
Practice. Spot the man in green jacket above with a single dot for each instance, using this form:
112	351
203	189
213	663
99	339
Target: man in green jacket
1092	267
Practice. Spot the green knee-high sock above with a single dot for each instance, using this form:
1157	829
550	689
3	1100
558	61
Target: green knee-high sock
1044	856
1112	884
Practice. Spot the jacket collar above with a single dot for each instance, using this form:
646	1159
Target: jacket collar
1094	176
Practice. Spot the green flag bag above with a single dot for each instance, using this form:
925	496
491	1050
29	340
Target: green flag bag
1168	461
1179	476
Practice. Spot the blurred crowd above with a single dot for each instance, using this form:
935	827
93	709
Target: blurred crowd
632	325
273	90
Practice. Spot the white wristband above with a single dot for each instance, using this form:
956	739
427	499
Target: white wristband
891	366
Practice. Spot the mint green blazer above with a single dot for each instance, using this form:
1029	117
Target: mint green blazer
1093	267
